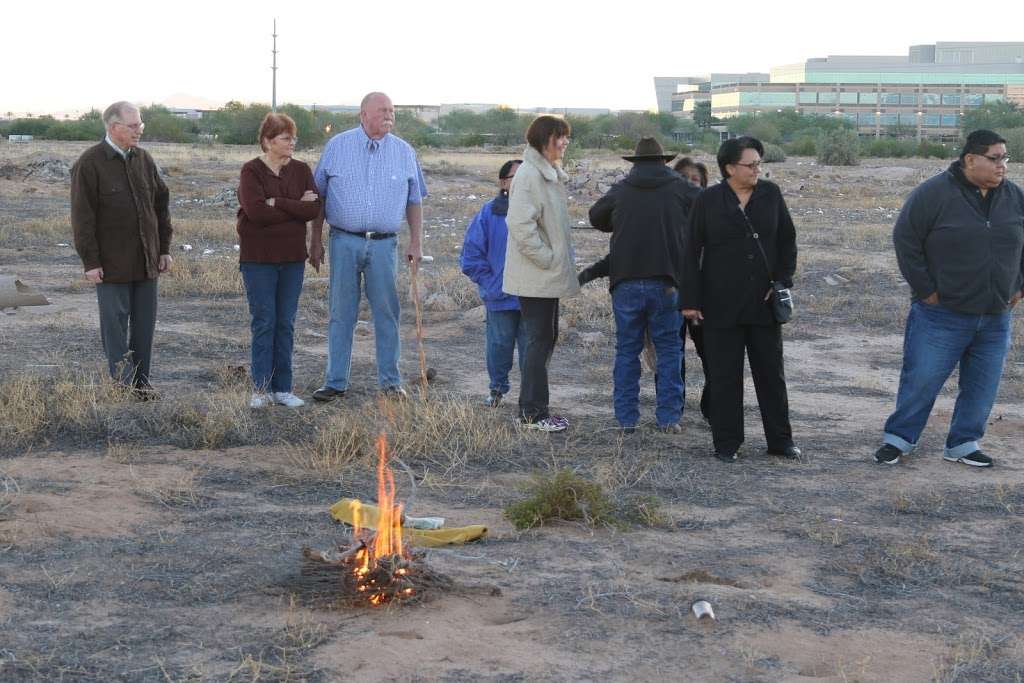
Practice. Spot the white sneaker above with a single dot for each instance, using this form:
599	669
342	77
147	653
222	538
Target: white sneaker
260	400
287	398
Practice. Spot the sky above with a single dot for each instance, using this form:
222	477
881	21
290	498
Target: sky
61	56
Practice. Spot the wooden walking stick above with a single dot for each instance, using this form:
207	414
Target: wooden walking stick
414	266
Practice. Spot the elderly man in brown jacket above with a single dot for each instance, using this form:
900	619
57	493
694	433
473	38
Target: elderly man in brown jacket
122	226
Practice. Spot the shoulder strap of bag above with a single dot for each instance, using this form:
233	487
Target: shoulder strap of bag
753	234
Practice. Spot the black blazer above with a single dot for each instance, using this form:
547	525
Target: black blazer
724	275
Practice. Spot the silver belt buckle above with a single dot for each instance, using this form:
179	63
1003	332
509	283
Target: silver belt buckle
370	234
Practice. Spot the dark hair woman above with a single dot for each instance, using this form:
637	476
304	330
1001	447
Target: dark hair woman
539	265
694	171
727	287
276	197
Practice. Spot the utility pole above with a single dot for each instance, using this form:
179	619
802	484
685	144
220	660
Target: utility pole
273	69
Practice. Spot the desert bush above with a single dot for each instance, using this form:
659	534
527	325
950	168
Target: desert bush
560	495
774	154
1014	142
803	146
839	147
931	148
890	148
895	148
646	510
764	130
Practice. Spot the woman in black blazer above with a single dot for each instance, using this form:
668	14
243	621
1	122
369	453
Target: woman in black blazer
726	287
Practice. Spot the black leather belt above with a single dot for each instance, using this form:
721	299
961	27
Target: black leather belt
370	234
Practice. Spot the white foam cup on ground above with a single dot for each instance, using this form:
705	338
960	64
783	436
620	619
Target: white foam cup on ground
702	609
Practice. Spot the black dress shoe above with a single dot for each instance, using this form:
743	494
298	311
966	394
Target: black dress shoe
791	452
726	456
326	394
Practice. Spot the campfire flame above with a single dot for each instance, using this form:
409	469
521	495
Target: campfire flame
381	562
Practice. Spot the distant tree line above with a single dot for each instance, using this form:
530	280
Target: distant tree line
786	131
237	124
806	135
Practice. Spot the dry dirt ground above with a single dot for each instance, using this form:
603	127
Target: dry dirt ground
161	541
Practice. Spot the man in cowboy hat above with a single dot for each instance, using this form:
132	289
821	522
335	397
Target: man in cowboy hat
646	214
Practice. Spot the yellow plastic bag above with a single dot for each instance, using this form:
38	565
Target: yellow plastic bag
343	511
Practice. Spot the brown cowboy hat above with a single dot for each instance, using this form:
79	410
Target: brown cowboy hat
649	149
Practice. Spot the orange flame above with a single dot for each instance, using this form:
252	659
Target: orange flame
389	527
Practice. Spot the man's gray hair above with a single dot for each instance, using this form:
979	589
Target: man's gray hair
370	96
117	111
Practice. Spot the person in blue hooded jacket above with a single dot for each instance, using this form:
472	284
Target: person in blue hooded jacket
483	260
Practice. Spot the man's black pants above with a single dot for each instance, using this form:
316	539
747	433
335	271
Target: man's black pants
724	350
539	320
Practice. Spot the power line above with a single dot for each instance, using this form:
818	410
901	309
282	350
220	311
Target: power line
273	69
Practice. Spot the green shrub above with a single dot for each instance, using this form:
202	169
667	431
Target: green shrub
803	146
562	495
1014	142
839	147
773	154
931	148
890	148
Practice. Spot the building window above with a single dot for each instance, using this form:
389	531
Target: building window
889	98
826	98
887	119
908	119
930	119
869	98
949	120
929	99
950	99
973	100
993	97
848	98
808	97
677	105
908	98
866	119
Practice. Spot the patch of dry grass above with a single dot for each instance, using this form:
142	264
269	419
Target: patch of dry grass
212	275
591	310
50	229
196	231
976	656
180	492
446	432
218	419
33	409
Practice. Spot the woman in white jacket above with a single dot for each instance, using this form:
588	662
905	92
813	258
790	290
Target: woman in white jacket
539	267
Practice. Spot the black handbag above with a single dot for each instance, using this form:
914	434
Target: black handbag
781	298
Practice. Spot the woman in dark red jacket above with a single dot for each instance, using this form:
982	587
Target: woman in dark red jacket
277	197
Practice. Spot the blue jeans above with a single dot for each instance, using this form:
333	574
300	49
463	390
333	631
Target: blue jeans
504	334
357	262
273	291
638	305
936	340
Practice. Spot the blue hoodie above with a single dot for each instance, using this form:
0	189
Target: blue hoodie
483	254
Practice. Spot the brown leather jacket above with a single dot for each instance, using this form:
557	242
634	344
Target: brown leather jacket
119	213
